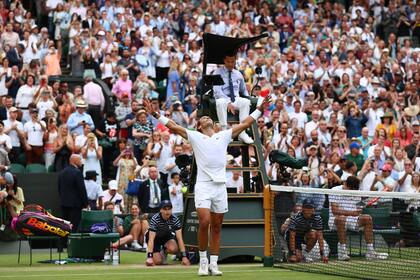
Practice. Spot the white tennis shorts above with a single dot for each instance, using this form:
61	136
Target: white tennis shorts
211	195
352	223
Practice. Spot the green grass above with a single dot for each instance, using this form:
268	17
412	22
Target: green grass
132	267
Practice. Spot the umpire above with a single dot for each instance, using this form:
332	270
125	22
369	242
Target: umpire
164	232
305	228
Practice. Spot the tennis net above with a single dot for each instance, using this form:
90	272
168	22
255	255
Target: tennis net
367	235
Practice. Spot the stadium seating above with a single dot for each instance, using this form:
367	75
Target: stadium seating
17	168
36	168
91	245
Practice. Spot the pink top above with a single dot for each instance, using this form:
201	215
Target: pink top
122	86
92	93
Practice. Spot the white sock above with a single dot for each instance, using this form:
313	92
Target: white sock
135	242
370	247
203	255
214	259
342	246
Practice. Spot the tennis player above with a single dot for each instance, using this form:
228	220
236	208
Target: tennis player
210	190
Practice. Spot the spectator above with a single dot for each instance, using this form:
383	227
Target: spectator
63	148
126	165
14	129
14	192
94	97
121	112
176	195
387	123
122	86
385	182
236	182
45	101
34	134
355	155
92	155
107	132
50	136
133	229
141	131
79	118
112	196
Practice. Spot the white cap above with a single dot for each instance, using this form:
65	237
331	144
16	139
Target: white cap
113	185
101	33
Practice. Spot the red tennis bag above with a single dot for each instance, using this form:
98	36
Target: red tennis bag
35	220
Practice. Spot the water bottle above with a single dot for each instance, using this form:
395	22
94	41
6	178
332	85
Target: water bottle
107	257
115	258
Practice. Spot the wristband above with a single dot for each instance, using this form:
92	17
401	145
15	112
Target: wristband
149	255
256	114
164	120
183	254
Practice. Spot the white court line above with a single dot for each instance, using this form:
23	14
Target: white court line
126	273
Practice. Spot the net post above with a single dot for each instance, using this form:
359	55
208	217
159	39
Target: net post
268	254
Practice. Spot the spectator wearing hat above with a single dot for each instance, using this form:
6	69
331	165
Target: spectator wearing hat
112	195
387	123
165	236
93	189
384	182
302	231
94	97
79	118
355	155
14	129
34	132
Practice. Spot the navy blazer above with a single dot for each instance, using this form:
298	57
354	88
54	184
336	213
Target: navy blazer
144	194
71	188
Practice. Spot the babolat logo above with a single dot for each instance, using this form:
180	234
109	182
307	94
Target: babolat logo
46	227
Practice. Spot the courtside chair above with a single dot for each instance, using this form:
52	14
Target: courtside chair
90	245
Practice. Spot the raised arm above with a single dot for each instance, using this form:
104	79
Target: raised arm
237	129
165	121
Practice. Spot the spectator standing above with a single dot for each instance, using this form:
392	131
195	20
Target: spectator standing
176	195
111	195
126	165
79	118
72	191
108	132
94	97
92	155
63	148
121	112
25	96
34	134
50	136
14	129
123	85
142	130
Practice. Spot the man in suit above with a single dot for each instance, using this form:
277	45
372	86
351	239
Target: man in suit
72	191
152	192
14	55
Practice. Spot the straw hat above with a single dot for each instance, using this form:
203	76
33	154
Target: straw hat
412	111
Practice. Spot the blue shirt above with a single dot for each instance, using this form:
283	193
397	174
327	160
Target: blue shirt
237	80
74	120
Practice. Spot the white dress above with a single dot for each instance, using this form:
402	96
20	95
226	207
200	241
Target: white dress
92	163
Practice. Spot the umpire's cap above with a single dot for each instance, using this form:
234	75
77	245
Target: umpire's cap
308	203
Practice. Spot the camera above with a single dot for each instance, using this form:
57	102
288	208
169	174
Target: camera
258	70
183	162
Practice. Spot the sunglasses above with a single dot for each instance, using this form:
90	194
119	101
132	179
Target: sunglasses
148	158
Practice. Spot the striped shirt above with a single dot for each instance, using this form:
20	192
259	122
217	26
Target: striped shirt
164	227
301	225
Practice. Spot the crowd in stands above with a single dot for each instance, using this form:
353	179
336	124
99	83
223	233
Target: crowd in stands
344	78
